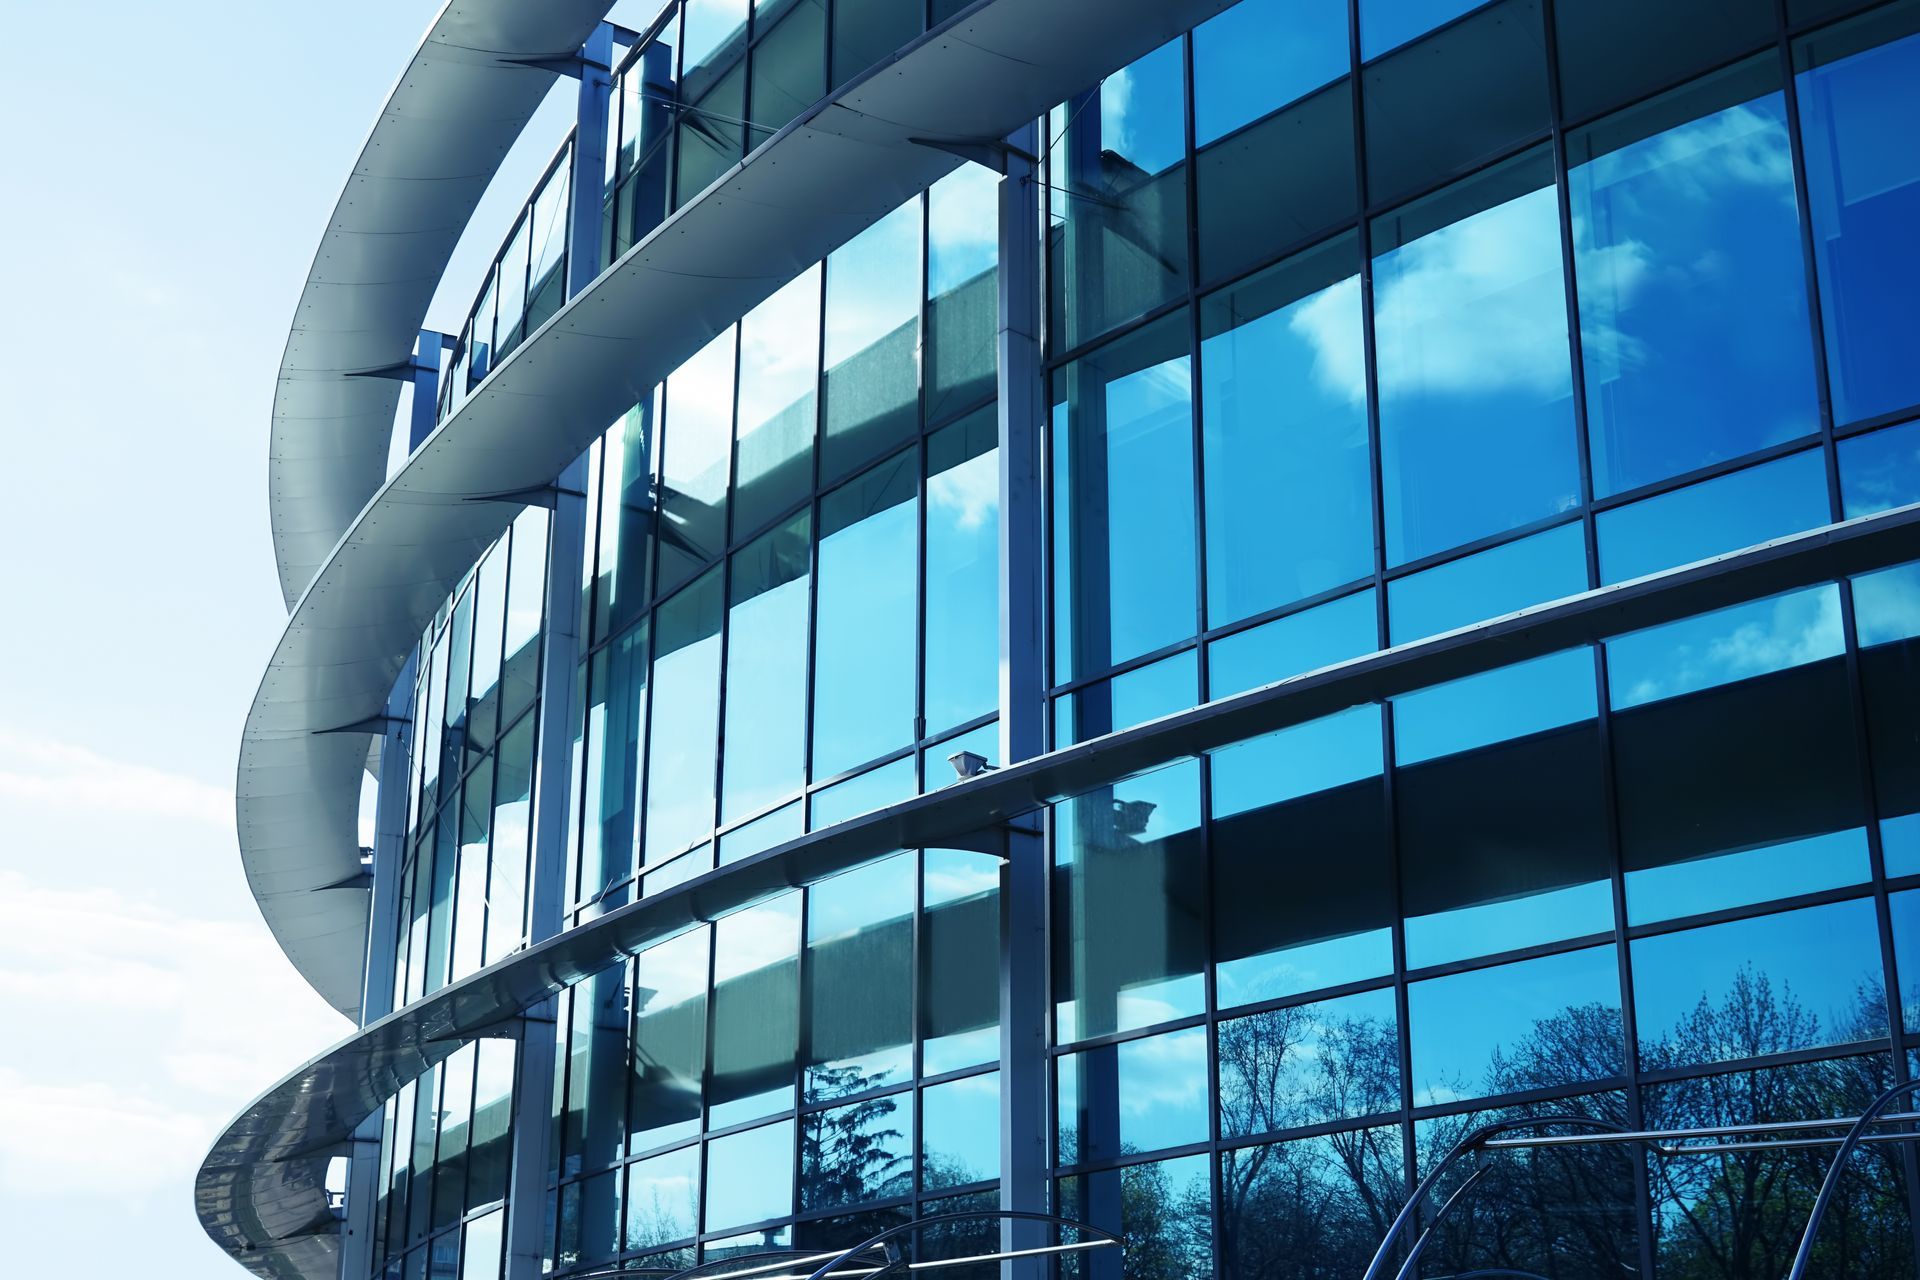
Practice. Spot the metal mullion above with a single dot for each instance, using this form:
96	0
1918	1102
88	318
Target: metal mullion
923	315
717	808
1128	667
1709	472
1766	1061
802	1043
1867	426
1343	1124
915	1046
1752	911
1519	1098
815	537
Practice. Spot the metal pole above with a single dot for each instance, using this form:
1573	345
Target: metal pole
428	358
1023	884
376	992
566	550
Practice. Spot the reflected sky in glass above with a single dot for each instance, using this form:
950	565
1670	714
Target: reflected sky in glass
963	574
1507	702
1140	1095
1693	311
1387	24
1485	1031
1880	470
1713	517
686	720
864	661
1476	387
1305	641
1260	55
750	1176
765	741
1532	570
1726	645
960	1132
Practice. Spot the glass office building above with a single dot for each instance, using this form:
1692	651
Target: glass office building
1345	576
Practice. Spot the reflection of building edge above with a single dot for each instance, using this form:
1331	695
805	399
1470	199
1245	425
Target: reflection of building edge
1223	1092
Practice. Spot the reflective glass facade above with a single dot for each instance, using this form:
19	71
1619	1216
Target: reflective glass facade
1361	322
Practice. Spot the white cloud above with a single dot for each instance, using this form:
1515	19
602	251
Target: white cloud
44	774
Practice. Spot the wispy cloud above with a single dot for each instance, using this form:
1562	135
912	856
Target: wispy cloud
41	773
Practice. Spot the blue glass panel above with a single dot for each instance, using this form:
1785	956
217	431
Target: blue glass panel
1386	24
1905	911
1123	447
765	757
1886	616
1880	471
1726	645
864	661
1474	588
1147	693
859	979
1509	702
874	789
1305	641
1857	105
1492	1031
756	1015
1744	877
695	454
1260	55
778	827
1309	1064
1127	952
1767	985
936	762
1475	377
1886	605
1289	489
872	396
1693	310
960	1132
963	572
963	296
1140	1095
960	977
1712	517
686	720
663	1199
1303	888
750	1176
779	374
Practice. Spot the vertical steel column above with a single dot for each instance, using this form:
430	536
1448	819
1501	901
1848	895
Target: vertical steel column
560	655
383	922
429	357
1023	886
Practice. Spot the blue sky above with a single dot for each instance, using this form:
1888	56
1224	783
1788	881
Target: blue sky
168	169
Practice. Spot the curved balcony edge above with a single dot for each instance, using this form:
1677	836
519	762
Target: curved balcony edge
259	1192
844	163
445	126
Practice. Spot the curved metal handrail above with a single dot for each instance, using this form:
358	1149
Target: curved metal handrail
1467	1145
834	1263
1421	1241
1829	1184
710	1266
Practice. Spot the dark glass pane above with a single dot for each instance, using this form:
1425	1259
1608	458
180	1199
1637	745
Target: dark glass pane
597	1072
855	1153
1305	641
663	1199
1278	181
1503	838
1289	488
750	1177
963	299
1476	385
756	1015
1140	1095
1455	98
860	980
669	1040
455	1124
1311	1209
1119	236
963	571
686	719
1886	611
1612	51
872	336
1565	1211
1163	1211
1859	89
490	1151
960	977
1388	24
789	67
1302	885
1123	445
1714	516
1260	55
1308	1064
874	789
1693	311
779	375
694	462
865	31
618	690
602	1226
1531	1025
1734	758
1129	904
863	673
765	729
1529	571
1743	1213
1772	984
627	520
960	1132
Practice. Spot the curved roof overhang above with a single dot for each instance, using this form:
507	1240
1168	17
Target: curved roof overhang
818	182
259	1187
449	121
